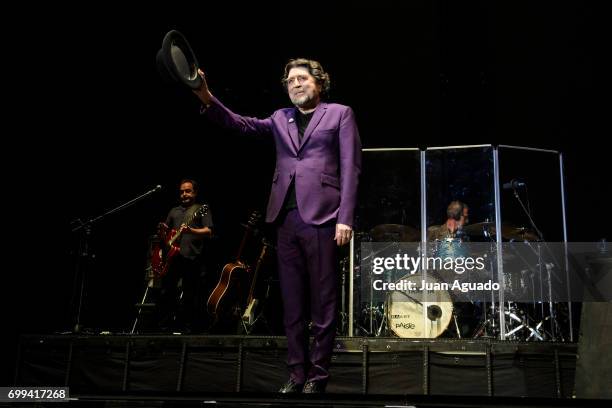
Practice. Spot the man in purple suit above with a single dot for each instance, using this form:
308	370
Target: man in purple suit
312	201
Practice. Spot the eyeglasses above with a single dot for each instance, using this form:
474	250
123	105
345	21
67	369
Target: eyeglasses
300	79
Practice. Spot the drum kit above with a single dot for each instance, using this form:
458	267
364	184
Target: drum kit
439	313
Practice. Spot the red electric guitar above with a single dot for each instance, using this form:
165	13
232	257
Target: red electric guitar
165	249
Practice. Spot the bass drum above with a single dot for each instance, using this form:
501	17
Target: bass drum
412	315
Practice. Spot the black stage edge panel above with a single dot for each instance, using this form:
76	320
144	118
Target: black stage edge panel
181	365
594	367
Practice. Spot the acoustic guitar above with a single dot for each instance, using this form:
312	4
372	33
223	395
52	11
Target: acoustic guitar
229	296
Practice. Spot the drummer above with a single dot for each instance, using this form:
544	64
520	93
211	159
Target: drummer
457	213
467	312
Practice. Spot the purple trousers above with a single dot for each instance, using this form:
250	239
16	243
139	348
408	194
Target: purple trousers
308	281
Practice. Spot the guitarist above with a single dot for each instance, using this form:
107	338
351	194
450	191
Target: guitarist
182	287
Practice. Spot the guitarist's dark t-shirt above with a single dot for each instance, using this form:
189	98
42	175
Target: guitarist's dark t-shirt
191	245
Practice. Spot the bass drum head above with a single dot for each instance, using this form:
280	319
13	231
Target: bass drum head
412	315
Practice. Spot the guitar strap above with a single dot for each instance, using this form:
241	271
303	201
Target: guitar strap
190	211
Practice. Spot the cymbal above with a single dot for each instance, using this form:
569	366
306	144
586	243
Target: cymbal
518	233
509	231
395	232
479	228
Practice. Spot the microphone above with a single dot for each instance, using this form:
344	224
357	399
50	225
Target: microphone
514	184
155	189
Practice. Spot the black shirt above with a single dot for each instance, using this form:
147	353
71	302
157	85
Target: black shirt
191	245
302	120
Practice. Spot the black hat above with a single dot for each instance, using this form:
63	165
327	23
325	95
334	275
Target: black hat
176	61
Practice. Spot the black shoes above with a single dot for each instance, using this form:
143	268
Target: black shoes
311	387
291	387
314	387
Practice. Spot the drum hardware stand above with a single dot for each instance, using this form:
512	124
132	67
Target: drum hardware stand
482	330
371	307
555	332
490	318
551	311
489	327
539	253
383	322
554	326
370	310
365	331
366	311
489	322
537	328
531	275
522	324
456	325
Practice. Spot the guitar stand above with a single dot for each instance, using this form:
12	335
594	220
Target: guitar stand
143	305
248	328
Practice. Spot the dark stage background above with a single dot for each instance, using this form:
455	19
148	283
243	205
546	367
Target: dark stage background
102	128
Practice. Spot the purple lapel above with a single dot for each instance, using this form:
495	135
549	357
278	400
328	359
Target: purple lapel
293	129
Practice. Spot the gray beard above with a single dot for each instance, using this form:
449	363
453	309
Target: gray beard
301	100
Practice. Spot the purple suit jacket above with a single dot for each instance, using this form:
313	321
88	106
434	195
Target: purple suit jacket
325	166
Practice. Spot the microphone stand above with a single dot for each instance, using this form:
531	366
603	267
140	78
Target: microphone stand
526	211
84	251
553	323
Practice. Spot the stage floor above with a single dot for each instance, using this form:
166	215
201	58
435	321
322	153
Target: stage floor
183	365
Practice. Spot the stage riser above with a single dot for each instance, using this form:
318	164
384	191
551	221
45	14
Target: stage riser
106	365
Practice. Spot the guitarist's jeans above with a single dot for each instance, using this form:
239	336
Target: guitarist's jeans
307	272
181	295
